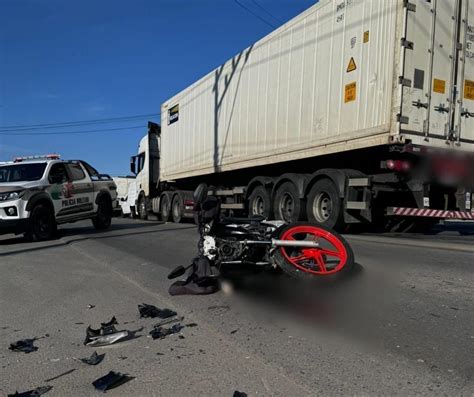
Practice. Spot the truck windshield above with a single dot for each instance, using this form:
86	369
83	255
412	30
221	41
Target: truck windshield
22	172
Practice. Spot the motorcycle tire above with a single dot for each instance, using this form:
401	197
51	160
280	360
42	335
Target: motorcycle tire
332	260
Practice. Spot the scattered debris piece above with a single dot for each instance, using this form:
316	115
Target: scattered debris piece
108	339
454	308
79	323
181	336
107	334
151	311
32	393
162	332
191	325
435	315
24	345
111	381
168	321
160	354
94	359
123	357
89	307
61	375
239	394
234	331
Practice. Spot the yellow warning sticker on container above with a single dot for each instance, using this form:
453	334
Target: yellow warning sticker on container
352	65
350	94
366	36
439	86
469	89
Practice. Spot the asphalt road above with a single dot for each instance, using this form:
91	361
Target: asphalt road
402	325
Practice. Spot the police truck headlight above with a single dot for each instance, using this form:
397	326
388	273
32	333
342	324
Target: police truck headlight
11	195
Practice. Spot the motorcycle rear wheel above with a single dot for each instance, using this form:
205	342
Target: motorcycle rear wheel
333	259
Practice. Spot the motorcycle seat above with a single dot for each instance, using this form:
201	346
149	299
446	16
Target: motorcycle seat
242	221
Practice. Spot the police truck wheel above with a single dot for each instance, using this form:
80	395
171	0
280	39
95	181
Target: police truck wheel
165	208
42	225
324	206
142	211
177	209
287	204
103	218
260	203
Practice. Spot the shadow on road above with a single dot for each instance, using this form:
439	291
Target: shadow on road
72	235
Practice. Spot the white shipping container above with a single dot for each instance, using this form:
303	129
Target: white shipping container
343	75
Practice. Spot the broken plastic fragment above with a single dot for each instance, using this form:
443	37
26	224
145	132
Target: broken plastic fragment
24	345
111	381
162	332
32	393
94	359
168	321
108	339
152	311
90	306
60	375
239	394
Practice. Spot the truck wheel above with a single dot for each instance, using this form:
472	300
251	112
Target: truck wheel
142	211
177	208
288	206
41	225
165	208
324	205
260	203
103	218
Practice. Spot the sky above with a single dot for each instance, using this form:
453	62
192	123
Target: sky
66	61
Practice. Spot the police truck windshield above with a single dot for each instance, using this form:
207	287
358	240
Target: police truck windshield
22	172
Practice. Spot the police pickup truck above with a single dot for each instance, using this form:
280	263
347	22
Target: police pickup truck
37	193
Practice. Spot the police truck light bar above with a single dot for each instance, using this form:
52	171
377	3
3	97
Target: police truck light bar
40	157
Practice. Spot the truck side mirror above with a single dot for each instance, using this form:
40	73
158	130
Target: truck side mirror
132	165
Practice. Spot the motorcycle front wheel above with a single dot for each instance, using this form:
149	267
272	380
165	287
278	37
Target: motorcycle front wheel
333	258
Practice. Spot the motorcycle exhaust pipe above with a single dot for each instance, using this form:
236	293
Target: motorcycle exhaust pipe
285	243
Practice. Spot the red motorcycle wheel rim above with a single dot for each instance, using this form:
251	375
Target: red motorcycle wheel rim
317	257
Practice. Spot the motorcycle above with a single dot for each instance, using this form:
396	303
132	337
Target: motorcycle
302	250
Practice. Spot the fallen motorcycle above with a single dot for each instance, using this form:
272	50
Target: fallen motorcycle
302	250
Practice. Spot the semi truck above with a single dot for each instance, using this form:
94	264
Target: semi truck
353	112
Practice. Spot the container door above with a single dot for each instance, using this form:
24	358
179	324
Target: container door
430	48
464	116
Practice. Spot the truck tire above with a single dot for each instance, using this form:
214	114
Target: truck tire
287	204
260	203
165	208
324	206
177	208
103	218
142	210
41	225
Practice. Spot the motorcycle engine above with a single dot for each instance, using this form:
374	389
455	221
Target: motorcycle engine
229	250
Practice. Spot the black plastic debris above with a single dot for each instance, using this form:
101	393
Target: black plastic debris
24	345
239	394
111	381
107	334
90	307
60	375
94	359
151	311
168	321
32	393
190	325
162	332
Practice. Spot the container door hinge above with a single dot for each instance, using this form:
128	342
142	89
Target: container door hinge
404	82
409	6
403	119
409	45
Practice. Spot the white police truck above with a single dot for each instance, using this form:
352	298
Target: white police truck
38	193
